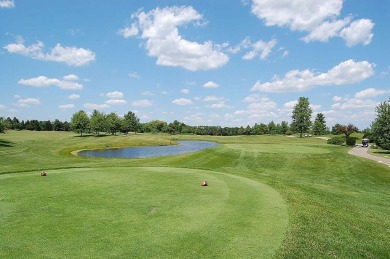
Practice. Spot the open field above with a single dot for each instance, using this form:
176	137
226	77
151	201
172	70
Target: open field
270	196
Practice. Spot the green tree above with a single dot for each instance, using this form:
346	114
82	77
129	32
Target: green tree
284	127
381	125
3	125
57	125
271	128
319	126
130	122
301	116
347	130
80	122
114	123
97	121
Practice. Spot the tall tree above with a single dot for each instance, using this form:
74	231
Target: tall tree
130	122
80	122
271	127
114	123
301	116
97	121
319	126
3	125
381	125
284	127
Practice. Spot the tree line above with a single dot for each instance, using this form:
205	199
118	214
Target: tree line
111	123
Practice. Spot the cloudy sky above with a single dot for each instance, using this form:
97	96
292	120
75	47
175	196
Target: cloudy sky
228	63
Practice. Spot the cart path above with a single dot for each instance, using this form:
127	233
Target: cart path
362	152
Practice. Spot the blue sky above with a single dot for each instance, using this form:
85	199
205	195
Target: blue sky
227	63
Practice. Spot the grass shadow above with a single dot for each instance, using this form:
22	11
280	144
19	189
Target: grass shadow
92	136
5	143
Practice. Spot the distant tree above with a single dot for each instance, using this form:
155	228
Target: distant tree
47	125
347	130
3	125
301	116
80	122
67	126
271	127
97	121
284	127
114	123
381	125
57	125
319	126
335	129
130	122
260	129
16	124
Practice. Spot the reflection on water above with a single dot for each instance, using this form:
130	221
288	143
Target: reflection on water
142	152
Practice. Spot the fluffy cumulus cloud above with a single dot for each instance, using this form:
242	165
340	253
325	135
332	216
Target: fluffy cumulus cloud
27	102
160	29
261	49
211	84
142	103
182	101
7	3
320	19
74	96
71	56
67	82
347	72
114	95
370	92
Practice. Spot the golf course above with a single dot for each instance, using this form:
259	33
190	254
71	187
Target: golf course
267	197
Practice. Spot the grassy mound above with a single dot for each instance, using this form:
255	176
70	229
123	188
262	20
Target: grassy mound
138	212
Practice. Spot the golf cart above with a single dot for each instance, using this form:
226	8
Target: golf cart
365	142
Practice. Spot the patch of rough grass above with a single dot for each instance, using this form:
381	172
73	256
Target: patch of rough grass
278	148
139	213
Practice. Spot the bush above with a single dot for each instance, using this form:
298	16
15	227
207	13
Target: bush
350	141
338	140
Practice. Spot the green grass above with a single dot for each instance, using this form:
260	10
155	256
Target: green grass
337	204
139	212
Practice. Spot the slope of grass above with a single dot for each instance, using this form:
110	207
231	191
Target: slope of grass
337	204
138	212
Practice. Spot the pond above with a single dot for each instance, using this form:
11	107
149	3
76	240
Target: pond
183	147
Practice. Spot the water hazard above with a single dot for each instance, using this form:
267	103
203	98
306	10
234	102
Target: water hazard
183	147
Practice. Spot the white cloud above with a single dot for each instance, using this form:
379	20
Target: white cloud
182	101
370	92
291	104
337	98
27	102
327	30
210	84
3	107
213	98
7	3
74	96
185	91
71	56
261	49
43	81
142	103
66	106
115	101
114	95
94	106
147	93
160	29
358	32
71	77
318	18
130	31
347	72
354	103
219	105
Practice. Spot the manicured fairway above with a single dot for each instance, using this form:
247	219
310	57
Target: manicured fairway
144	212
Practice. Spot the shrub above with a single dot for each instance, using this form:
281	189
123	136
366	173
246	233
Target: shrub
350	141
338	140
